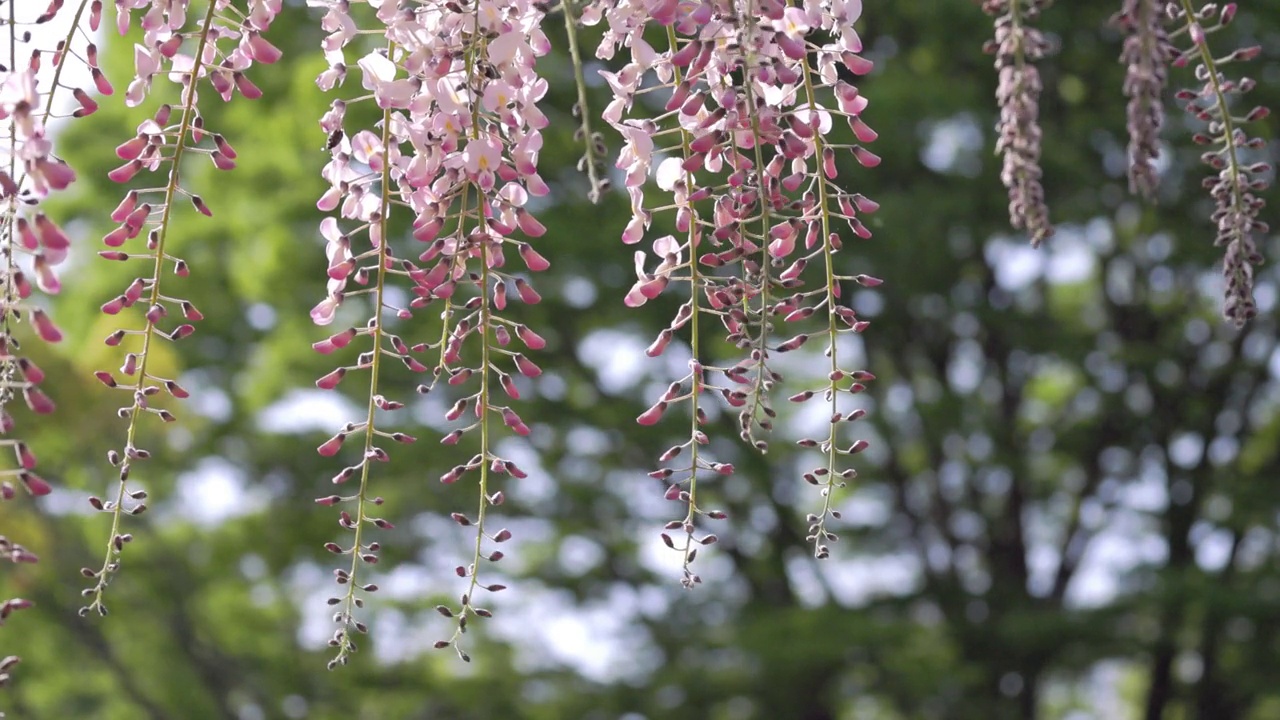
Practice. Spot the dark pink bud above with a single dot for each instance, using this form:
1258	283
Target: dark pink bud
125	207
246	87
657	347
509	386
221	160
200	206
51	236
530	226
261	50
100	82
26	458
88	105
857	64
531	339
527	294
125	172
131	149
31	371
223	146
456	411
865	157
330	381
527	366
182	331
176	390
513	421
500	295
36	486
169	47
117	237
45	327
686	54
862	131
652	415
332	445
112	307
532	259
27	235
37	401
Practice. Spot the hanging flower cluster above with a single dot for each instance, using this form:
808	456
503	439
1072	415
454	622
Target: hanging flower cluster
456	150
32	244
216	47
1238	180
742	152
1017	45
1146	56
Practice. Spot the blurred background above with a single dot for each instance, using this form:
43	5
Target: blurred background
1069	509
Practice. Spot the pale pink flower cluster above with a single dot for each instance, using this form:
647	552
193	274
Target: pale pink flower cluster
1146	56
744	150
1016	46
457	150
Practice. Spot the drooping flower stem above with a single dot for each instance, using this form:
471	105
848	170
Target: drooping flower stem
1017	45
1146	55
757	308
360	552
142	386
818	531
591	159
162	144
1233	188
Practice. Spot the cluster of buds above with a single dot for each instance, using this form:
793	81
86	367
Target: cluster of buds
749	168
1237	180
14	553
456	148
1146	56
225	42
1016	45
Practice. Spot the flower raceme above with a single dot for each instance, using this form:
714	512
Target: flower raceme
456	150
749	170
1016	46
29	171
206	50
1235	157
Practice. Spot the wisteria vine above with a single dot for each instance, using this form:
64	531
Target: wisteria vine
742	135
456	149
165	140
